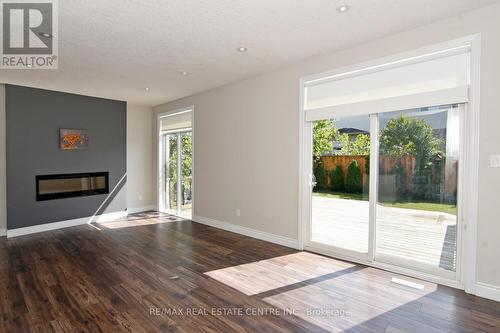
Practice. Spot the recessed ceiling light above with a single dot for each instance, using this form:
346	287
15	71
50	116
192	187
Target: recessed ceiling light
147	88
242	49
342	9
45	34
184	73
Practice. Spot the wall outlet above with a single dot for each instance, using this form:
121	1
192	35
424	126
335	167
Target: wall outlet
494	161
140	198
238	212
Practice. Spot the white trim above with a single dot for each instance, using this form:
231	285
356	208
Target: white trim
65	224
106	217
46	227
413	265
174	113
388	267
179	173
439	50
471	164
419	275
265	236
488	291
157	170
460	196
337	252
179	130
373	187
302	190
470	160
437	97
140	209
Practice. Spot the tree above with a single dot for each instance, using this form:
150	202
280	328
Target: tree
409	137
404	136
337	179
320	175
353	182
186	166
360	146
171	170
324	131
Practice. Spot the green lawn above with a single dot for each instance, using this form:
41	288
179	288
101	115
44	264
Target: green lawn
428	206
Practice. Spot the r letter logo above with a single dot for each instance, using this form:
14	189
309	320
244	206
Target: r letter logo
29	34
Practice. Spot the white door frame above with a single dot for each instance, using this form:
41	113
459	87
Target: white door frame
159	159
470	162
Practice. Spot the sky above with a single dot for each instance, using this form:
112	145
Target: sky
435	118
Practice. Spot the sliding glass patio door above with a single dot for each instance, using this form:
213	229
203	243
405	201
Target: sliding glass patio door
177	172
417	189
176	164
383	162
340	195
385	188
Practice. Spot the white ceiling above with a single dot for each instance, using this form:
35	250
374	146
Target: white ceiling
116	48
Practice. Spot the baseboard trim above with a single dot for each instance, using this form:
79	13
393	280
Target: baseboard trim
74	222
262	235
140	209
3	232
65	224
47	227
488	291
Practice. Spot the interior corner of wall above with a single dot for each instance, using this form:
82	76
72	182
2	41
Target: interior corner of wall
3	162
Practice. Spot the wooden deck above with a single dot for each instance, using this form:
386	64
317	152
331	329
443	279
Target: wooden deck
422	236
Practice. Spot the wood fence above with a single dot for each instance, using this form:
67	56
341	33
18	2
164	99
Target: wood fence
331	162
447	175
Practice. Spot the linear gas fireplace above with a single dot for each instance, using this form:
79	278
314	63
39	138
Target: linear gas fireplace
49	187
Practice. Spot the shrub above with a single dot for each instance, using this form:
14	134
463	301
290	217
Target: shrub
353	183
367	164
320	175
337	179
422	179
401	183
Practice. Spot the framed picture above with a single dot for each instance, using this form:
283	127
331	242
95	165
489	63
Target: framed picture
73	139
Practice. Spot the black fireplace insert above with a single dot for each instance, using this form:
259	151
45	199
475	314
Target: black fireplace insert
49	187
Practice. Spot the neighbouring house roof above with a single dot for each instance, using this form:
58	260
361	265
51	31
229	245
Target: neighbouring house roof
350	130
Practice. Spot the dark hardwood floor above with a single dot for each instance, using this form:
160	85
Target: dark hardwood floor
155	273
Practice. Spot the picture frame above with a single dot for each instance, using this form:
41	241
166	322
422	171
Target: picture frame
73	139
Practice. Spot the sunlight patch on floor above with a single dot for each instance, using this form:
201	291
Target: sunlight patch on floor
138	220
349	294
348	300
265	275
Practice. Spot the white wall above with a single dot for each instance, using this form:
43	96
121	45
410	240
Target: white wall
246	136
3	166
140	191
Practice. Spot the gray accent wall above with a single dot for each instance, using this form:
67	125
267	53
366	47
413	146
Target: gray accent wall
33	119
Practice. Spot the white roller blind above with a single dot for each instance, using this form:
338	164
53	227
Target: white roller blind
440	80
176	121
